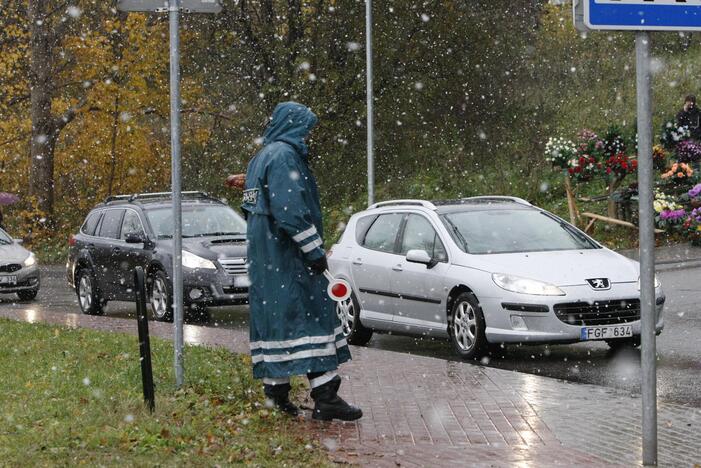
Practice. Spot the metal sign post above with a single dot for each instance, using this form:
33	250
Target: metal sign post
174	7
648	315
642	16
178	315
371	136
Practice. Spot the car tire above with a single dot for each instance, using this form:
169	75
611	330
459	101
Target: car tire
621	343
466	327
160	297
27	295
89	297
348	312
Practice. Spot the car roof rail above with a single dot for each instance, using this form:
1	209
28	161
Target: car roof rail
499	198
134	197
424	203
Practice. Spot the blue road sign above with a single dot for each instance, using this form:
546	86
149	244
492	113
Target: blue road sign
642	15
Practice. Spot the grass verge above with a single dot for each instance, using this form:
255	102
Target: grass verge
73	396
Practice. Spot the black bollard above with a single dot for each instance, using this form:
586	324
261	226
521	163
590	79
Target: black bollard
144	342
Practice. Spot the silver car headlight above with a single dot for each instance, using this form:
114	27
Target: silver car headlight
190	260
657	283
30	260
525	285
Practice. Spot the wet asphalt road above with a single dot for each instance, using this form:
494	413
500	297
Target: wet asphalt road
679	346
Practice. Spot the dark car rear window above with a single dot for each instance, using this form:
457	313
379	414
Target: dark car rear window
111	224
91	223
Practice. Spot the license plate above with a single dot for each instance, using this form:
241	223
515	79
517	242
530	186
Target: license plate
242	281
8	280
606	333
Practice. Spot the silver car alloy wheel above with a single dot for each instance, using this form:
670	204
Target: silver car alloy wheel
85	292
159	298
465	326
346	313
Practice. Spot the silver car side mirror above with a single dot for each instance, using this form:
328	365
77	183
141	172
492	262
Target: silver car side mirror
419	256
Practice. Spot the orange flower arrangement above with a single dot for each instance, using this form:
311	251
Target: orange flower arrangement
678	171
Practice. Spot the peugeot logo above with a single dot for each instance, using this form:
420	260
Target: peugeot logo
599	284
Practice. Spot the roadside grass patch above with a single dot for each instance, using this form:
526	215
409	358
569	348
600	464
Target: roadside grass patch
73	396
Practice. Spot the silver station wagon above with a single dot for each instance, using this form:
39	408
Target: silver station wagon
484	271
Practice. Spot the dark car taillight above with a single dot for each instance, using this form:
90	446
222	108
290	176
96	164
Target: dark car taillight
71	241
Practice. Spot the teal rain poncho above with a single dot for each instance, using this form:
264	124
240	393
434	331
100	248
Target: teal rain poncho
294	327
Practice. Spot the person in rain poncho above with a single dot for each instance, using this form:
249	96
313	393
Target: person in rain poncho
294	327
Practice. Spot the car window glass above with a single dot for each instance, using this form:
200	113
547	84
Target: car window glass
198	221
418	235
439	253
505	231
91	223
361	227
5	238
111	224
131	225
383	233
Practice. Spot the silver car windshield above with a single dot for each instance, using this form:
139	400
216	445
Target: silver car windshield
198	221
4	238
510	231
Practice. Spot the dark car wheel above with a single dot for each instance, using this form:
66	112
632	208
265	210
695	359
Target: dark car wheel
27	295
348	312
466	327
89	297
621	343
161	297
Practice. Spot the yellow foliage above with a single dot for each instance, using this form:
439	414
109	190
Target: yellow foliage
117	74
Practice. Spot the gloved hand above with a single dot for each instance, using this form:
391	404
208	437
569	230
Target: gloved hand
319	266
237	181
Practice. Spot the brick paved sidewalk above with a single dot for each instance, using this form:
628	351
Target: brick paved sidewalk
421	411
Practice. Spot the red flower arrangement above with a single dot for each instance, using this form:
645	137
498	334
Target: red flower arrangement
583	168
620	165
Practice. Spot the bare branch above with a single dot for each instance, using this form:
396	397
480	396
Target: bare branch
69	115
218	115
20	137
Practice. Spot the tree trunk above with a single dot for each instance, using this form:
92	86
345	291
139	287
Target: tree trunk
571	202
43	136
113	148
611	206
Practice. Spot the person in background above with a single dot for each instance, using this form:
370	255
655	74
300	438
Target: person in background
294	329
690	117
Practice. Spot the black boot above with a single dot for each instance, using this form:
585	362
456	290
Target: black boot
328	405
280	396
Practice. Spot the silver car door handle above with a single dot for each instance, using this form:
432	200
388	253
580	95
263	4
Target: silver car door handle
398	268
358	261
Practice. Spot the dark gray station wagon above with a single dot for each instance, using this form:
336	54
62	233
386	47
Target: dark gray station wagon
127	231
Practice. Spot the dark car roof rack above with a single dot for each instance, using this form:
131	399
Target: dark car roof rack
155	196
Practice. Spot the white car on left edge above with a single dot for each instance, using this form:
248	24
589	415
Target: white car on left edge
19	272
484	271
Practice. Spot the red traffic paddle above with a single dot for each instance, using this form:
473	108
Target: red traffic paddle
339	290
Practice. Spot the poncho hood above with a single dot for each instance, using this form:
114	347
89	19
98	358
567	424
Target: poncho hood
291	123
